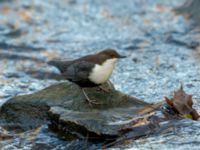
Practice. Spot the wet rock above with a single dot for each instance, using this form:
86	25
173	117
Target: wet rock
14	34
15	56
185	41
18	48
191	10
69	109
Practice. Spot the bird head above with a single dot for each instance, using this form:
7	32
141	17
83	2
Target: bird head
111	54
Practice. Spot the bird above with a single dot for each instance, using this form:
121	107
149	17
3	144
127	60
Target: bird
90	70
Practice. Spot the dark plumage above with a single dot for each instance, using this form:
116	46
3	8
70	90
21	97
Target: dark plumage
78	70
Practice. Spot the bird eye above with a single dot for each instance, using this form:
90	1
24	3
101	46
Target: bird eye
113	56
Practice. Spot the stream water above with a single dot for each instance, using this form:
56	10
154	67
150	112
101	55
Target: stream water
162	50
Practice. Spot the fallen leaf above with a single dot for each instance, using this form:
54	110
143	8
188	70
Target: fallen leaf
182	104
5	9
25	16
4	135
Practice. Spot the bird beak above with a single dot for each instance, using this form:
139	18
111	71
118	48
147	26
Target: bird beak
120	56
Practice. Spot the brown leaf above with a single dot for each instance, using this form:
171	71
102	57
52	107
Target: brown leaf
182	103
25	16
5	9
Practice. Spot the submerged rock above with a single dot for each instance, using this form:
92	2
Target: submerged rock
64	105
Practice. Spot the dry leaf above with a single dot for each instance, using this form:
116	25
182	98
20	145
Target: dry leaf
25	15
182	104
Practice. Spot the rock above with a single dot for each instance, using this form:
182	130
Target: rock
191	9
64	105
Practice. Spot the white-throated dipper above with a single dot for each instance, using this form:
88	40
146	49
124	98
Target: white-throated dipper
89	71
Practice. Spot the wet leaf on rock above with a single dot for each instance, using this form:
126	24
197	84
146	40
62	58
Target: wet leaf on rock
182	104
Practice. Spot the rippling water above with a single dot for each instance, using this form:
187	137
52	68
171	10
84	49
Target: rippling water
159	44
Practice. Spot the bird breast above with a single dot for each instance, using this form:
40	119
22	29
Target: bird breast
101	73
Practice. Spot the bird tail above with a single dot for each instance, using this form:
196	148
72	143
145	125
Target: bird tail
58	64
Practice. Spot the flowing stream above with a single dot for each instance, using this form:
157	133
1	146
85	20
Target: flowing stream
162	50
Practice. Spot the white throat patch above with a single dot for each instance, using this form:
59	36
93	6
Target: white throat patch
101	73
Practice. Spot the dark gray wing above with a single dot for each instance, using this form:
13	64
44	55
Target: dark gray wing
61	65
78	72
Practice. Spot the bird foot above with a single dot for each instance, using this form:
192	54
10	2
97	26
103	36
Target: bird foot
91	102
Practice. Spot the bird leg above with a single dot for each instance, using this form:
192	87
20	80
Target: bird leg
88	99
106	90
